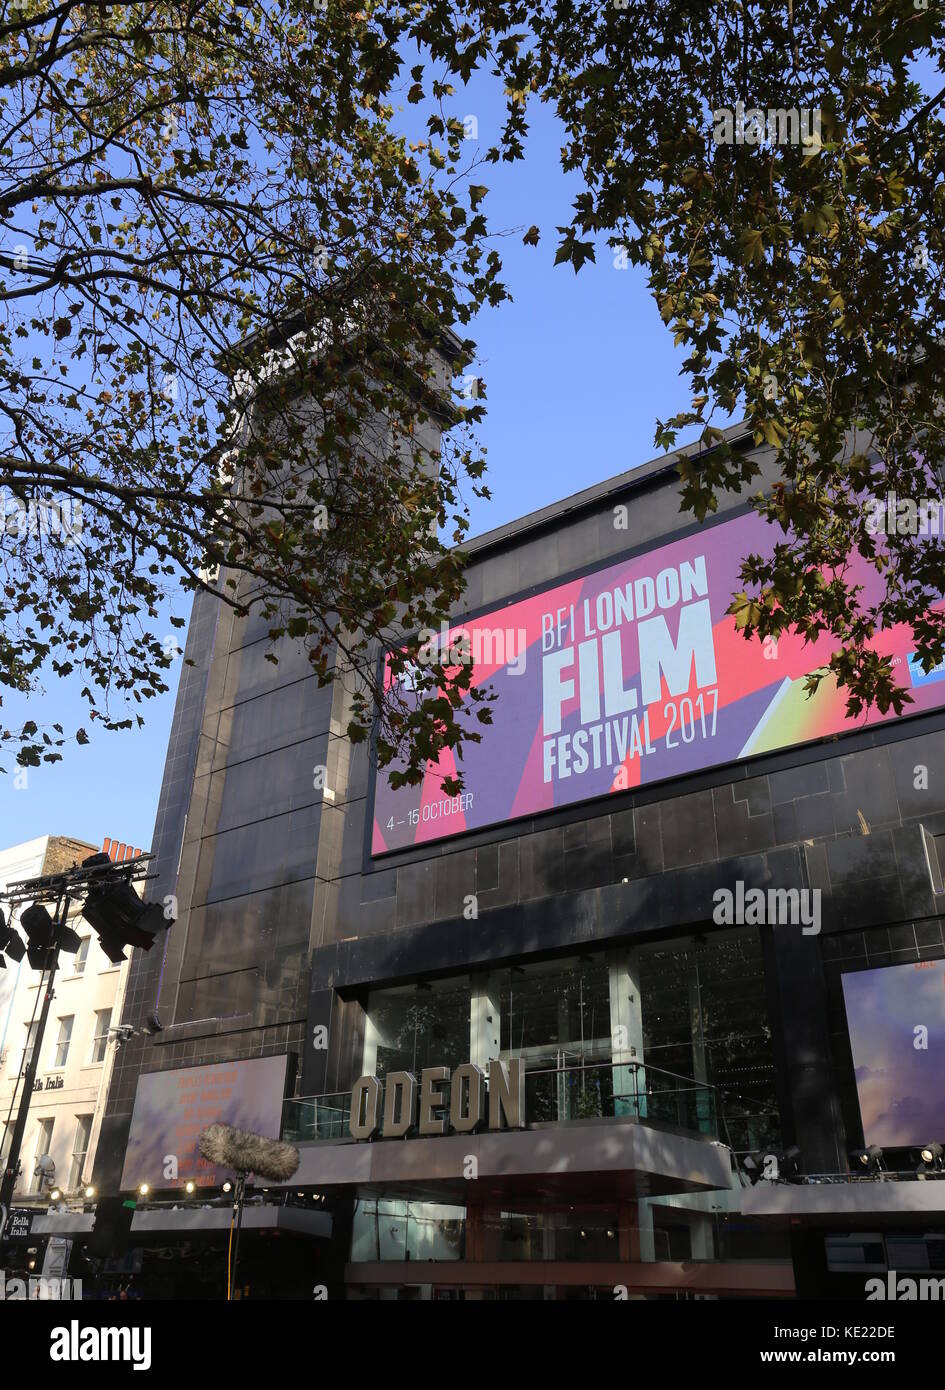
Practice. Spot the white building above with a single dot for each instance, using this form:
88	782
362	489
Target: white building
78	1048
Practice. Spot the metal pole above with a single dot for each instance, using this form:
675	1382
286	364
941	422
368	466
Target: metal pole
238	1203
9	1176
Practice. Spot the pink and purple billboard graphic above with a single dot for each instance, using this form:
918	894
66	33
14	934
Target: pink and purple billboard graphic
896	1018
626	676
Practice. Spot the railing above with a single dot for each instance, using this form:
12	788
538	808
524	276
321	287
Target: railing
610	1090
317	1117
597	1090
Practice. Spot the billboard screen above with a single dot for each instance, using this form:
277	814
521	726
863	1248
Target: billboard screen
172	1107
626	676
896	1018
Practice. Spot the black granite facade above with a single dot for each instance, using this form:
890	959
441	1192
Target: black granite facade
286	921
845	816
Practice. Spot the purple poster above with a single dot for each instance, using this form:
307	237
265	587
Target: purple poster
172	1107
896	1017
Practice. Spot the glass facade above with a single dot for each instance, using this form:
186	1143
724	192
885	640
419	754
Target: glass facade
555	1012
550	1234
705	1017
692	1047
393	1229
418	1026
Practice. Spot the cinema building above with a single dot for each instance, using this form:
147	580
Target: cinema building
612	1021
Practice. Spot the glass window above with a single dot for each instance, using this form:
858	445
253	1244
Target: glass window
80	1148
62	1043
81	956
557	1012
417	1026
550	1235
705	1018
394	1229
44	1135
29	1044
103	1021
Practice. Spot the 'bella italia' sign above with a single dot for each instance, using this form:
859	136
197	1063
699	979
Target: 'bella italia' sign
400	1106
53	1083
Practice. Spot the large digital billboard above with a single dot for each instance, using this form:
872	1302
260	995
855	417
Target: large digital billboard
625	676
172	1107
896	1018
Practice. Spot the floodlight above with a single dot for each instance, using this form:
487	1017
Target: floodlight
868	1160
120	918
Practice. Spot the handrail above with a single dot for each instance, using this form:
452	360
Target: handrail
329	1111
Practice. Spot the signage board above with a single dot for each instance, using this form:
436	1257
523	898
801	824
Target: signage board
19	1224
896	1018
630	674
462	1101
172	1107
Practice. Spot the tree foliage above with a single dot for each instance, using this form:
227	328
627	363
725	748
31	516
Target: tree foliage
208	217
193	193
805	282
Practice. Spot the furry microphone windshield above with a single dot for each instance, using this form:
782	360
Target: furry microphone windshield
246	1152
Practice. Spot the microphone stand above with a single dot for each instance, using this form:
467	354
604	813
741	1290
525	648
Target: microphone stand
238	1214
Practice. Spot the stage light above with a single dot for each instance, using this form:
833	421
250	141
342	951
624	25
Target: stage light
753	1166
143	1189
789	1162
119	918
10	943
42	934
868	1160
777	1165
68	940
90	1192
931	1160
190	1187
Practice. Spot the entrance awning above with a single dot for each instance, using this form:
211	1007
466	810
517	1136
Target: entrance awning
623	1159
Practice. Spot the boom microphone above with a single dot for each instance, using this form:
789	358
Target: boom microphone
246	1152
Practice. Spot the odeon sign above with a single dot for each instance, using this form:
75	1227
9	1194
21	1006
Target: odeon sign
400	1106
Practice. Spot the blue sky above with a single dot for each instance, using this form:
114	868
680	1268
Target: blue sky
578	368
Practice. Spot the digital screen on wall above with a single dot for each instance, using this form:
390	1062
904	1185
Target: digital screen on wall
896	1018
629	675
172	1107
